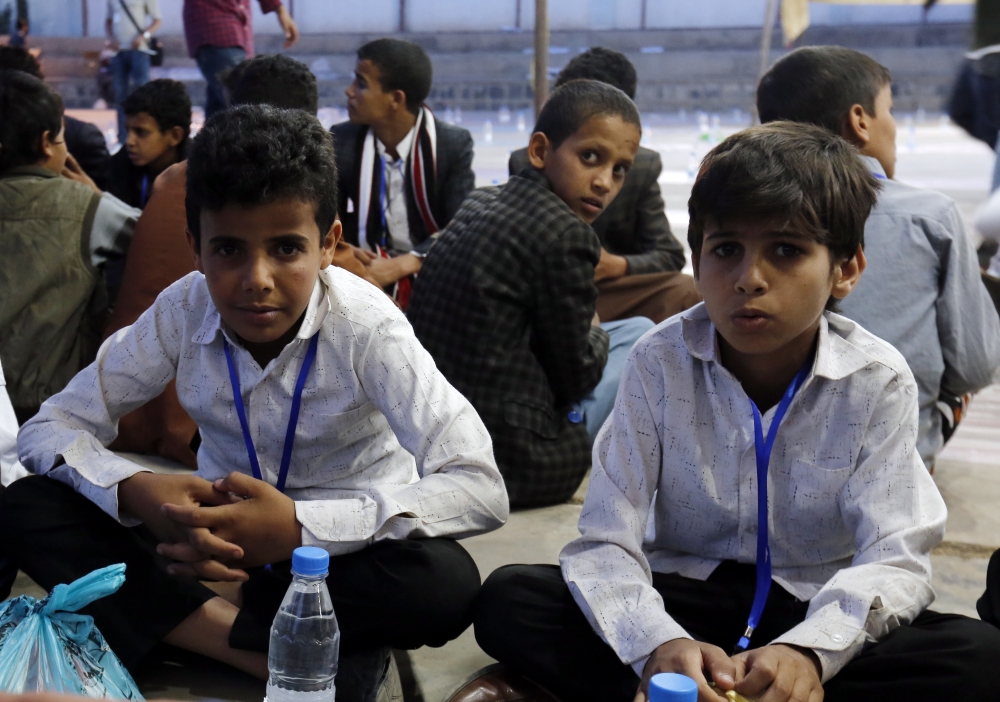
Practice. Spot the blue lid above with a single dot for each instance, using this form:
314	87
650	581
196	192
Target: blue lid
575	417
672	687
309	560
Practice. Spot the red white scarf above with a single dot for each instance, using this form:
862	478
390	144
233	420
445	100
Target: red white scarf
422	162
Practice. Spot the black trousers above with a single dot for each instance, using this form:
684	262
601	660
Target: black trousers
402	594
527	619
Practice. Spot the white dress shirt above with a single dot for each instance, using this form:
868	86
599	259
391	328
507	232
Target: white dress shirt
10	468
853	512
395	191
372	402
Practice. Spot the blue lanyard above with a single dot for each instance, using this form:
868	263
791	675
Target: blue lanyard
763	453
293	419
879	176
145	186
382	203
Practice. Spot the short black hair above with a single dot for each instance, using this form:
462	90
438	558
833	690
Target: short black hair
252	155
17	58
804	177
402	65
819	85
606	65
28	109
276	80
571	105
166	101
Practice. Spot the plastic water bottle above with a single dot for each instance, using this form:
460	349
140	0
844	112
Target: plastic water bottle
305	637
672	687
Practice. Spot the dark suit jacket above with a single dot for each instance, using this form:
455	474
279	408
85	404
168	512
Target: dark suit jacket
634	224
504	304
85	141
455	180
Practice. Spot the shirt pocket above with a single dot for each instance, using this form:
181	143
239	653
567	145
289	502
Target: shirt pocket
815	488
339	429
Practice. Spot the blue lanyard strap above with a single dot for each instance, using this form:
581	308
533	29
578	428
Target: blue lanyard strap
293	419
382	202
762	449
145	187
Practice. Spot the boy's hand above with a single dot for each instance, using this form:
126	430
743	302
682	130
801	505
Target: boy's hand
779	673
690	658
73	171
260	525
391	270
610	266
142	495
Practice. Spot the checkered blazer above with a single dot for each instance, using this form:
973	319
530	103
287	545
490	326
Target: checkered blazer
634	225
504	304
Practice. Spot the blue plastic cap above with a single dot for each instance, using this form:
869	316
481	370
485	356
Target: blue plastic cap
309	560
672	687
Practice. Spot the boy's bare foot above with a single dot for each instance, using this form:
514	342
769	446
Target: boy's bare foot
231	592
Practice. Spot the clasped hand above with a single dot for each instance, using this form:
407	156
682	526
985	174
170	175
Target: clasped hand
213	531
775	673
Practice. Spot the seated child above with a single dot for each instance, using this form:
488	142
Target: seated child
923	292
59	232
393	139
662	578
639	271
505	302
158	120
384	467
159	254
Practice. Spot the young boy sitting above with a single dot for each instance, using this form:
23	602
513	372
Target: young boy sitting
923	292
158	120
266	321
662	578
506	299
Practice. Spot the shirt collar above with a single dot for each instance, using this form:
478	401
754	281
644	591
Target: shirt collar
836	357
316	312
402	148
872	164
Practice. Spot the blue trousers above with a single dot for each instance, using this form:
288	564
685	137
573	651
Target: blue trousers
213	61
596	407
129	70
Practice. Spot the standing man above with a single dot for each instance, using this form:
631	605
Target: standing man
219	36
130	25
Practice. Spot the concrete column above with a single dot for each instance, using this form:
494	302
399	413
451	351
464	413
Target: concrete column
541	54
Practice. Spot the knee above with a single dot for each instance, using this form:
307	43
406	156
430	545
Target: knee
499	606
29	494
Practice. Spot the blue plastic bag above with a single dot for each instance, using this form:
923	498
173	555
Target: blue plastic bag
46	646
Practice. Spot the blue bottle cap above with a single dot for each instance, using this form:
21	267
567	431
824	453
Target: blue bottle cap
672	687
575	417
310	561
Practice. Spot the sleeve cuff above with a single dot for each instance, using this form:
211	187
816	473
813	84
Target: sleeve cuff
833	637
337	526
104	497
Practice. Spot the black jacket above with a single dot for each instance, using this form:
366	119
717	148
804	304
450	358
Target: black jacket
455	180
504	304
634	225
85	141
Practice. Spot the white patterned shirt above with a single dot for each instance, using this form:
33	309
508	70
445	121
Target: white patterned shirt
853	512
373	401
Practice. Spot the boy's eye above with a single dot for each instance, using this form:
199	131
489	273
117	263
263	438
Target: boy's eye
787	250
289	249
589	157
621	171
726	249
225	250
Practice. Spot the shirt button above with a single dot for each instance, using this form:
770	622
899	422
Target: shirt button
262	449
837	638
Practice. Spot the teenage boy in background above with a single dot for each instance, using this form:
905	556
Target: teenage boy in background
59	233
384	467
639	271
403	173
158	122
923	292
834	507
506	301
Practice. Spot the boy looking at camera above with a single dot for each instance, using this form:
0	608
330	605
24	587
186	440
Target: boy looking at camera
267	325
679	543
506	299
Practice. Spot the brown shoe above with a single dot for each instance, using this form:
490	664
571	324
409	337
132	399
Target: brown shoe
497	683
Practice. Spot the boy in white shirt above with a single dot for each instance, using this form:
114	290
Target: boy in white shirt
267	321
679	545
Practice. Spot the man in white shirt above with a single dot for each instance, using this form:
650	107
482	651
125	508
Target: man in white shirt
662	578
385	465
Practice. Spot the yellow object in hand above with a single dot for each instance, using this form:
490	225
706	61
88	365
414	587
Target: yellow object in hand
732	695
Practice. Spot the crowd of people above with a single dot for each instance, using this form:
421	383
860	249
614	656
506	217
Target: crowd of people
760	437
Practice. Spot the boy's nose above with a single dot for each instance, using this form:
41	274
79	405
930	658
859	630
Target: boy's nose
603	181
258	275
751	278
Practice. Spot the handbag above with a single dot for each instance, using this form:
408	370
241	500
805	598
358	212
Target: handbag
155	45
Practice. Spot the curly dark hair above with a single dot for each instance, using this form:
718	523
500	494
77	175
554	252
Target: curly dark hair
276	80
253	155
28	109
402	65
802	176
606	65
166	101
17	58
572	104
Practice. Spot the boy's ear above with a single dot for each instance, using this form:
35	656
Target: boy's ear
329	243
538	150
847	273
399	99
857	126
195	250
175	135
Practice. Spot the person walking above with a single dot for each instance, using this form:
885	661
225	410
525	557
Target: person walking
130	24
